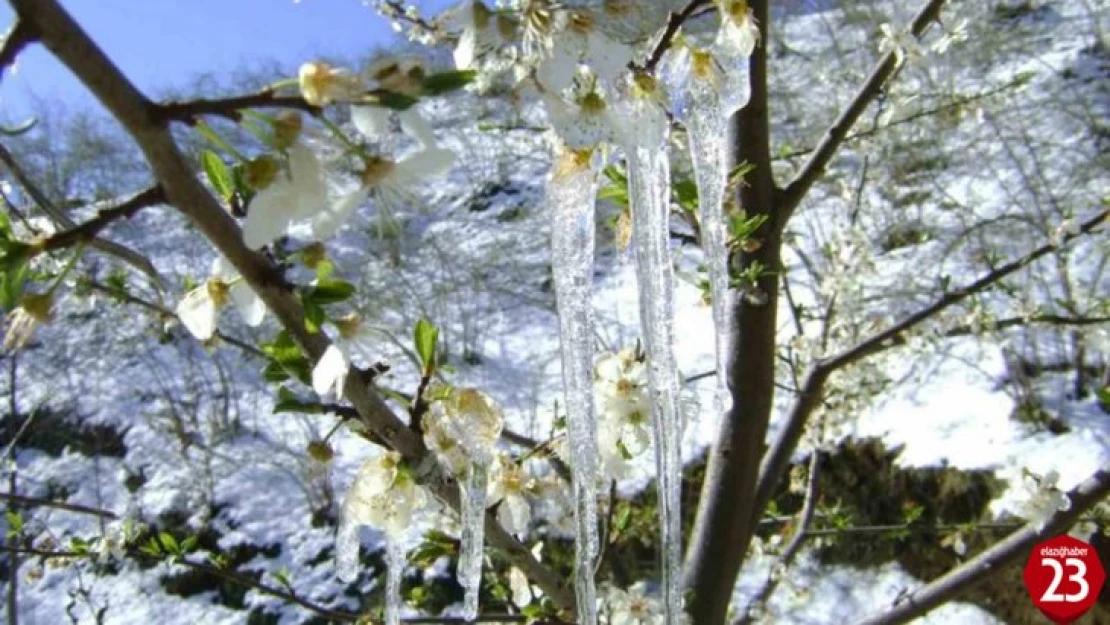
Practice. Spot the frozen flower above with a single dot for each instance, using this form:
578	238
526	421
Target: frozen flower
739	32
1044	499
640	117
509	486
330	372
299	193
902	43
405	77
521	590
392	181
624	412
1060	234
479	34
200	307
471	418
584	123
34	310
321	84
581	42
956	34
633	606
384	496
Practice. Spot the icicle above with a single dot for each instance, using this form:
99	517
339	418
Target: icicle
649	189
473	536
708	135
395	568
571	193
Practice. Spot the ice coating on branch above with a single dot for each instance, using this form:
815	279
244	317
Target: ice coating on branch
395	568
649	191
571	193
714	87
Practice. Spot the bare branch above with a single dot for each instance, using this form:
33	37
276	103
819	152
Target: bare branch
59	216
994	559
61	505
188	111
836	134
674	22
90	229
17	38
777	459
73	47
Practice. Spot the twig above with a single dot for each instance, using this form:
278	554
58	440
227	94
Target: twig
419	406
188	111
777	459
90	229
836	134
674	22
17	38
35	502
397	12
60	218
994	559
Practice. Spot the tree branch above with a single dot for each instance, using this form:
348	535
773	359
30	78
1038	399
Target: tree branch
59	217
777	459
187	111
17	38
674	22
73	47
836	134
90	229
60	505
994	559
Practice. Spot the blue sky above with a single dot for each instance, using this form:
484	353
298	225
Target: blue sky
160	43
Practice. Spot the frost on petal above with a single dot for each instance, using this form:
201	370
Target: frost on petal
269	215
466	51
426	163
307	183
347	543
608	58
197	312
328	222
522	591
330	372
370	121
414	124
249	305
515	514
557	71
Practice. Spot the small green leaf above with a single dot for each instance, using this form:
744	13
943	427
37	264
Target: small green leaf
218	175
15	523
444	82
327	292
426	336
169	543
314	316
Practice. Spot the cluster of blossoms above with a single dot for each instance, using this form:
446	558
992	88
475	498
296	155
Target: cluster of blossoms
623	409
633	606
1043	498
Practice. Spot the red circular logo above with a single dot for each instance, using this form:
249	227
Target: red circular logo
1064	577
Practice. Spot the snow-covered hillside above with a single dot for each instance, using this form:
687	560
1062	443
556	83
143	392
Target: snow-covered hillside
976	156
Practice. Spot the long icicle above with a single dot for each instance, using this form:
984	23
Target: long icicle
473	536
395	568
571	194
649	188
707	128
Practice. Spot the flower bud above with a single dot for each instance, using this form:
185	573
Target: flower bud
321	83
260	172
349	325
320	451
313	254
287	128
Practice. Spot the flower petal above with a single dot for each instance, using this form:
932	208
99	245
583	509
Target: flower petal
515	514
328	222
414	124
249	305
608	58
371	121
330	372
557	71
197	313
268	216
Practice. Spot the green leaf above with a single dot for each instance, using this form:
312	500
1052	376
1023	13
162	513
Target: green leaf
15	523
152	548
288	401
329	292
169	543
444	82
11	287
314	316
686	194
218	175
426	336
188	544
389	99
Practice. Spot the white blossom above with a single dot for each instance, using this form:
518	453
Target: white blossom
383	496
739	32
199	309
298	194
634	606
951	36
472	419
902	43
580	41
583	123
330	372
509	486
321	84
1044	499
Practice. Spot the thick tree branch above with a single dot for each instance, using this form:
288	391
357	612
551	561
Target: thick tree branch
73	47
17	38
230	108
992	561
777	460
89	230
59	217
836	134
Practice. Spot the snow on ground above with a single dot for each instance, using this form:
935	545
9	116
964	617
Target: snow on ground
203	444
